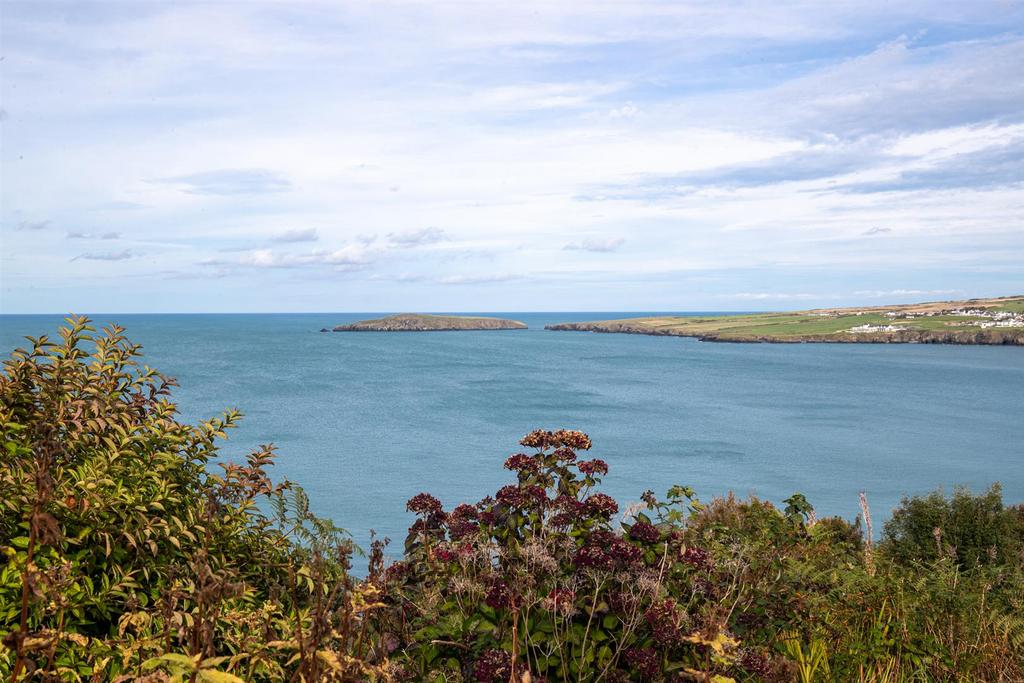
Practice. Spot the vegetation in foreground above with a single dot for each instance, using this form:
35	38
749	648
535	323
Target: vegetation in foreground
974	321
129	553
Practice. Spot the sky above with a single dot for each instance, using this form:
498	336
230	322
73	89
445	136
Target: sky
531	156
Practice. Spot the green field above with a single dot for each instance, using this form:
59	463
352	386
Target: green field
929	322
1012	306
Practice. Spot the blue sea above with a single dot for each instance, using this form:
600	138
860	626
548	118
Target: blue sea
366	420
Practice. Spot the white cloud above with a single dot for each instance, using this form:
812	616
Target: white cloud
416	238
33	225
483	278
743	140
78	235
781	296
307	235
122	255
599	246
268	258
229	182
626	111
889	293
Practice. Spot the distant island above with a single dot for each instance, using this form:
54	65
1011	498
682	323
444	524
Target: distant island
416	322
972	321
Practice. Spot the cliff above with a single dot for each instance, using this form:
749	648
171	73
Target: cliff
982	337
974	321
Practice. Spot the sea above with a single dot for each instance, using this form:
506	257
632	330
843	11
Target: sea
364	421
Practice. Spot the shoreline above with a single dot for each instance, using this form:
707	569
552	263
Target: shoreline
973	322
923	337
907	337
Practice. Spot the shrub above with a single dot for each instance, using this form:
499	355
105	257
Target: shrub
543	572
970	529
127	551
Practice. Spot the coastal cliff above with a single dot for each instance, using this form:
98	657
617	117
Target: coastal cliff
997	321
981	337
414	322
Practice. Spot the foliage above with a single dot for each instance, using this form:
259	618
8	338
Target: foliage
969	529
127	553
132	552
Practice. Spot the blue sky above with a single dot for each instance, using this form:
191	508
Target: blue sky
559	155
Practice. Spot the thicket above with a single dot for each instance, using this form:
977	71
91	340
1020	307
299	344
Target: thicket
131	552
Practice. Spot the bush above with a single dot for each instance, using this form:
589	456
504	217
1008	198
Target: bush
538	579
970	529
126	552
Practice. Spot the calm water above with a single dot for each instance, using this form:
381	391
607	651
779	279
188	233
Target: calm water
366	420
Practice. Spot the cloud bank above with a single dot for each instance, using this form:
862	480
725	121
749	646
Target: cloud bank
642	155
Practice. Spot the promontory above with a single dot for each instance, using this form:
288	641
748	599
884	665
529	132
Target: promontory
417	322
972	321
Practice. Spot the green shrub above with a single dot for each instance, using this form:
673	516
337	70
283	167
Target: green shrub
970	529
127	552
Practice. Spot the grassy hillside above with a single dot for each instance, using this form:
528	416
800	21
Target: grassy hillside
978	321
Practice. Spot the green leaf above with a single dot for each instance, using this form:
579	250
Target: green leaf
174	661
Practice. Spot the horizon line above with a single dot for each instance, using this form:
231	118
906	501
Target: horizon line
396	312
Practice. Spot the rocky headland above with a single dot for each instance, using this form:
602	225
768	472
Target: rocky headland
997	321
984	337
416	322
